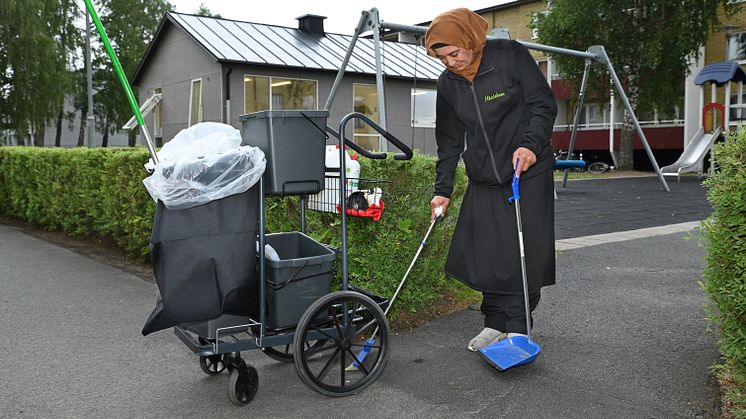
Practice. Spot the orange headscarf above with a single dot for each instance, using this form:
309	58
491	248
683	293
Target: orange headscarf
459	28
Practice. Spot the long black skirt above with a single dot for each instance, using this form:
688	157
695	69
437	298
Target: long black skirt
484	252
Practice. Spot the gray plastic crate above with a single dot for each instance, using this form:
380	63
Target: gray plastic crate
301	276
294	144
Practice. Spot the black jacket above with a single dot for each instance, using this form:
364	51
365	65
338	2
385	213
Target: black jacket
509	102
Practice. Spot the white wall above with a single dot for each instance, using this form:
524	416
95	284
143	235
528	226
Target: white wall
692	110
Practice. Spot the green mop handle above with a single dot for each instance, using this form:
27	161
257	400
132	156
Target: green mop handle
122	79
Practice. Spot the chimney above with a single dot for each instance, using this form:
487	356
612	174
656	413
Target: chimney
311	24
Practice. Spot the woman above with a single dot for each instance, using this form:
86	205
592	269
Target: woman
496	111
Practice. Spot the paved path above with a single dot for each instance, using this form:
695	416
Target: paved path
623	336
577	242
591	207
622	331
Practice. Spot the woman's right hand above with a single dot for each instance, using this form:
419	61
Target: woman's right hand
439	201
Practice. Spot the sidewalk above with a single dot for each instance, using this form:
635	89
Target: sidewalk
623	335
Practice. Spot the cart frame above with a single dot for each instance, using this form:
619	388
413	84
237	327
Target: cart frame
243	383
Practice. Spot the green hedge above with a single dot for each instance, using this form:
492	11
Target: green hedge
725	269
100	192
380	252
82	191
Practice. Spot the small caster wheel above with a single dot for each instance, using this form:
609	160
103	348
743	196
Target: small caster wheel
243	384
212	365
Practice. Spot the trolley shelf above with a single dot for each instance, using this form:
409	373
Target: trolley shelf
240	342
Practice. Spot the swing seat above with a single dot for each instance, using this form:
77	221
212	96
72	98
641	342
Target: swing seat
568	164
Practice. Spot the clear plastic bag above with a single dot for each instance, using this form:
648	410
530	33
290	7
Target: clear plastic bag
201	164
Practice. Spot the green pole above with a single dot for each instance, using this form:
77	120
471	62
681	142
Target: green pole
122	78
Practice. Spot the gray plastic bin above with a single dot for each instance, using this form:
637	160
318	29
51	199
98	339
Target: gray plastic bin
294	144
301	276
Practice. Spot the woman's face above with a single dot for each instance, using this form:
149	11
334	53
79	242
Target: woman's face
454	58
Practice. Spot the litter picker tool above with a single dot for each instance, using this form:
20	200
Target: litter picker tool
517	350
122	79
370	343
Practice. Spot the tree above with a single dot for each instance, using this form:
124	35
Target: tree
204	11
80	102
130	25
30	79
649	42
68	41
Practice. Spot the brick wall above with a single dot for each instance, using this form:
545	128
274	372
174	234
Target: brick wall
716	46
518	20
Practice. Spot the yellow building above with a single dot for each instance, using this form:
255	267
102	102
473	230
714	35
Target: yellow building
727	43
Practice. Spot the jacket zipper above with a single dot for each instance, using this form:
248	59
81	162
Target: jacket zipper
484	133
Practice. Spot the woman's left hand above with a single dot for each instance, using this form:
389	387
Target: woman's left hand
525	157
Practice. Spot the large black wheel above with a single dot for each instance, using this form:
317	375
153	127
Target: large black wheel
243	384
285	353
353	358
212	365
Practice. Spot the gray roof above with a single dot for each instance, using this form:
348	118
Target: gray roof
233	41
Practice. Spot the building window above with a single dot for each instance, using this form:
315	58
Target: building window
555	70
673	115
255	93
195	103
737	112
737	47
158	114
423	108
365	101
593	116
263	93
596	115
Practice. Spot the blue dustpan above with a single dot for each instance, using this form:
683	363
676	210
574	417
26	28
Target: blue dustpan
517	350
511	352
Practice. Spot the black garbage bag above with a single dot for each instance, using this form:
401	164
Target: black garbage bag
204	261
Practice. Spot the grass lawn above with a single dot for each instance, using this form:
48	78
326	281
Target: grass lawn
559	174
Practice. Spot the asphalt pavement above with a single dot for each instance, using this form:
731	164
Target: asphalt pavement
623	333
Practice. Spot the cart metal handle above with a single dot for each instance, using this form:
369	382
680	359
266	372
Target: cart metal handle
360	150
406	153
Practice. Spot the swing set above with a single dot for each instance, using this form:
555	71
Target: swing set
370	22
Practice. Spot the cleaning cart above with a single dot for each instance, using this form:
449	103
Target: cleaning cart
292	315
299	319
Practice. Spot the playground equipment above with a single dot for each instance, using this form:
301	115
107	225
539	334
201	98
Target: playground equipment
370	21
692	159
718	75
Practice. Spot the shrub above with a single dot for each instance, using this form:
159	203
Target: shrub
81	191
725	267
99	192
